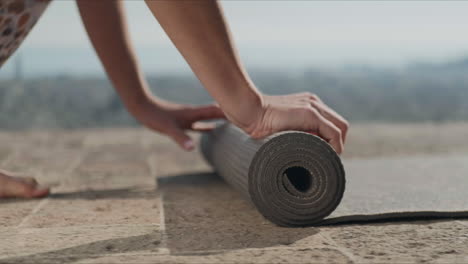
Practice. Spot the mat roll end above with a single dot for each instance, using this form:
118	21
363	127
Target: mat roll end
293	178
296	179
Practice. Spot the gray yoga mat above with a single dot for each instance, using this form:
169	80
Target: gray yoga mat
296	179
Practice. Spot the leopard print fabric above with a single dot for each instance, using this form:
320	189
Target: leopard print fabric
17	17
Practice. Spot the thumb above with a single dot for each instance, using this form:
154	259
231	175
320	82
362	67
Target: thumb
182	139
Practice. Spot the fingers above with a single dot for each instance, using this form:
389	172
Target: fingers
306	96
331	133
333	117
193	115
186	118
205	113
326	112
181	138
30	180
303	112
39	192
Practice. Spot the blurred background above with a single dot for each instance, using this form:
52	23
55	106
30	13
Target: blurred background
373	61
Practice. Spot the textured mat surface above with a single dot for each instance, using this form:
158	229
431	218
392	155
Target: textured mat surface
296	179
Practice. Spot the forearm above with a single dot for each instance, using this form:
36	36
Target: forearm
105	23
199	31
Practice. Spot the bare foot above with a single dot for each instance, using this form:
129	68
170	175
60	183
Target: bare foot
20	187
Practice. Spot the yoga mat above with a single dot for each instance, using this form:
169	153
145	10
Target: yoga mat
296	179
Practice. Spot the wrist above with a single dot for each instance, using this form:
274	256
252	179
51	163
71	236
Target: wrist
140	103
245	109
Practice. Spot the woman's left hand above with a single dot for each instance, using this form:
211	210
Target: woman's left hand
174	119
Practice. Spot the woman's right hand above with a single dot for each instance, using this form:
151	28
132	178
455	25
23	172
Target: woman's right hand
304	112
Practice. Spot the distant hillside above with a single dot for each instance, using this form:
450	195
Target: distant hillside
421	93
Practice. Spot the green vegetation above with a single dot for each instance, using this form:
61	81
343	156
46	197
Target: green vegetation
417	94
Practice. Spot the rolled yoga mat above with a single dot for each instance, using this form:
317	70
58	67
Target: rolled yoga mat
293	178
296	179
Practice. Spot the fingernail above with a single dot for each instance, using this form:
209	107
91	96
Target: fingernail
189	145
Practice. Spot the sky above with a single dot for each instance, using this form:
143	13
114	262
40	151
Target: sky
286	35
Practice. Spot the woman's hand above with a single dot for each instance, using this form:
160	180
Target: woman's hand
303	112
199	31
174	119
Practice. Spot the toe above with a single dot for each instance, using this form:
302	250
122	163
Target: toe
39	192
30	180
27	190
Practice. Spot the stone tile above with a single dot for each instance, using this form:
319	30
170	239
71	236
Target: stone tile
75	243
13	211
202	213
40	139
151	140
105	137
98	207
169	159
112	157
271	255
450	258
463	222
108	211
113	166
49	166
402	242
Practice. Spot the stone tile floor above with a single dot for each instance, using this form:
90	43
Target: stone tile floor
108	207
